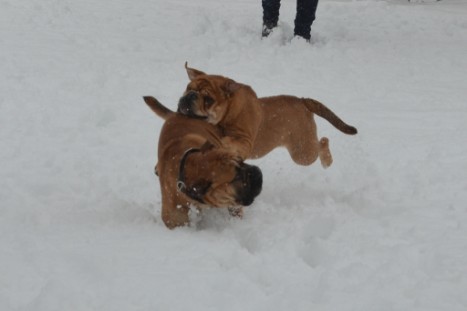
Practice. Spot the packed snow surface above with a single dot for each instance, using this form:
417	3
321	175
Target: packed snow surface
384	228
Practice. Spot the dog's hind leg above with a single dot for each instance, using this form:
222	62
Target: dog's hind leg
324	152
304	152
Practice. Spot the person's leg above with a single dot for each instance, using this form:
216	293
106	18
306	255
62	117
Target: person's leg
270	15
305	16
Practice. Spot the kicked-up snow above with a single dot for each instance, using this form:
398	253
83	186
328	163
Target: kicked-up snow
384	228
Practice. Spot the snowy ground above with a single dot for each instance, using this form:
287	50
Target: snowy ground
385	228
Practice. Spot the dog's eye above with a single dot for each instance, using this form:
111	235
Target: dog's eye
208	101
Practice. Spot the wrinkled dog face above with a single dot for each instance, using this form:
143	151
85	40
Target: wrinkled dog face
206	96
214	179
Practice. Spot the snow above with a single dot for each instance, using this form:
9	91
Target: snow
384	228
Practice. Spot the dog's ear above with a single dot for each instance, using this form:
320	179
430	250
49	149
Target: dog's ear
193	73
230	87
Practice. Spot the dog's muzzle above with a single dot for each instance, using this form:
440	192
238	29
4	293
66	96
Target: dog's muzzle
186	103
248	184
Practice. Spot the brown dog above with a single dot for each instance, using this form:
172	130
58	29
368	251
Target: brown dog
255	126
192	173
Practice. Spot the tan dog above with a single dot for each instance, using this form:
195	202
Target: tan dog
191	173
255	126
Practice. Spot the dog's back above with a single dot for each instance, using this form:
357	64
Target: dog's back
286	103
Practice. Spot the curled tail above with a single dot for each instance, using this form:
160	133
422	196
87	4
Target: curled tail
159	109
326	113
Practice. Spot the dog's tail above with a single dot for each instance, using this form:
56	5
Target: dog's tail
326	113
159	109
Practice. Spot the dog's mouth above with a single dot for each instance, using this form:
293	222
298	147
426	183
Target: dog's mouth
189	113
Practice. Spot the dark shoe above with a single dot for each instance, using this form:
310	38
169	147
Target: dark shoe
302	37
267	29
304	33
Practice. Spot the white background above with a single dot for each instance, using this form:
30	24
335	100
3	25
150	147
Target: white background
384	228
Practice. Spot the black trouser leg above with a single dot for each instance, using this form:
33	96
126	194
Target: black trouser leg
271	13
305	16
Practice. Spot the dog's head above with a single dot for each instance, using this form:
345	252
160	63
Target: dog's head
207	96
216	179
